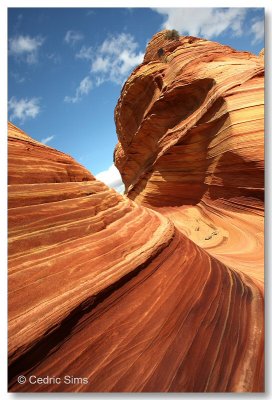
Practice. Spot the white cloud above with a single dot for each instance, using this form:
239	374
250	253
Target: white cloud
115	58
25	48
101	64
112	178
85	53
47	139
99	80
83	89
85	86
23	109
204	22
257	29
55	58
72	37
111	61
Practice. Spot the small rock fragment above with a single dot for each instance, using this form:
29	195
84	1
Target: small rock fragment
208	237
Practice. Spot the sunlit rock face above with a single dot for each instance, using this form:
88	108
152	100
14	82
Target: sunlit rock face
191	144
71	240
114	295
102	288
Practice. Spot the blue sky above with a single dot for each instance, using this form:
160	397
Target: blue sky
67	67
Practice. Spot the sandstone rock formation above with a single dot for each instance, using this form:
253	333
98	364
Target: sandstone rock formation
191	144
106	289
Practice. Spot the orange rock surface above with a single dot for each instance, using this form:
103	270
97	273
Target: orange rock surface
190	123
102	287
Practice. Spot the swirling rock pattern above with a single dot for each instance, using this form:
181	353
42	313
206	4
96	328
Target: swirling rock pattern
191	144
105	289
190	124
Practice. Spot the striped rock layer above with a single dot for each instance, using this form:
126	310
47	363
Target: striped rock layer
190	123
106	289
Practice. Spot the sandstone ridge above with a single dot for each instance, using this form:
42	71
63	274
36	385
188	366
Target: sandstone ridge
125	291
97	282
190	123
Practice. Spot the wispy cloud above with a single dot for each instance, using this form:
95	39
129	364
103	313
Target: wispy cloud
18	78
18	22
110	62
115	58
23	109
257	30
85	53
55	58
112	178
101	64
83	89
204	22
72	37
25	48
47	139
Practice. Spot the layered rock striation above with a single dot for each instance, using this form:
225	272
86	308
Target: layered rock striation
116	295
190	123
102	288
